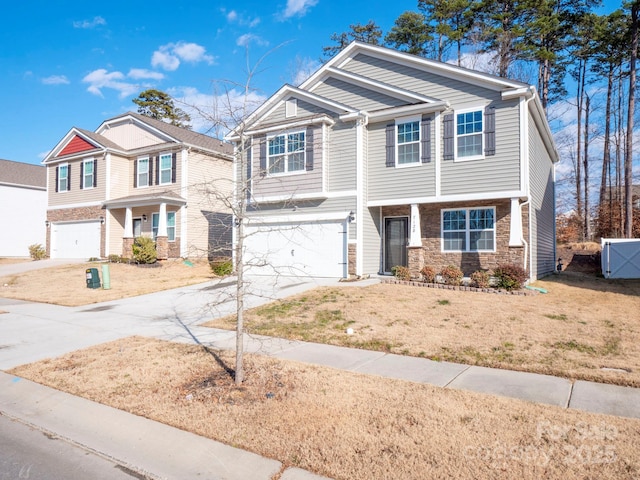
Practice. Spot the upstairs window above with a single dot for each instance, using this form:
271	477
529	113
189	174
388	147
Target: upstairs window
286	153
166	168
468	230
142	175
88	174
62	182
408	143
469	134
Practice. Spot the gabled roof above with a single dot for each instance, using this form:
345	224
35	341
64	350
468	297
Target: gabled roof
91	139
22	174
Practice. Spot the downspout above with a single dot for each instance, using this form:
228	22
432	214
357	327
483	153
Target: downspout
525	153
526	245
362	121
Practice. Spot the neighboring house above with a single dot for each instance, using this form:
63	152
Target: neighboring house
23	205
138	176
382	158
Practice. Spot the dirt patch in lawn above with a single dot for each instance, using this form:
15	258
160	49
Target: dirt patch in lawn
67	285
346	425
584	327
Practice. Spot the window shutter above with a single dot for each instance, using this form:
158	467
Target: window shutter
150	171
57	178
263	155
391	145
425	139
490	131
448	136
157	160
309	147
68	177
95	173
81	173
174	166
135	174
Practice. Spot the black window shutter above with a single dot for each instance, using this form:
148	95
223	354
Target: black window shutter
391	145
135	174
448	136
174	164
490	131
157	171
150	171
425	139
95	173
81	173
309	148
57	178
68	177
263	155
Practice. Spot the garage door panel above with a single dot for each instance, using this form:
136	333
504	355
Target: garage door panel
310	249
75	240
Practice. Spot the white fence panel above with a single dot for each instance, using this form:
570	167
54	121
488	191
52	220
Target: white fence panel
620	258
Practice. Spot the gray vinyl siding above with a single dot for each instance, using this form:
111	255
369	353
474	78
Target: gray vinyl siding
426	83
355	96
499	172
542	208
341	165
387	183
371	241
305	109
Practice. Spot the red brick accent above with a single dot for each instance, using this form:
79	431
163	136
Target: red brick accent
162	247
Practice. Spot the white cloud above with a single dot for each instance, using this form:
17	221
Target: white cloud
235	17
169	56
101	78
232	16
247	38
298	7
90	23
143	73
302	69
56	80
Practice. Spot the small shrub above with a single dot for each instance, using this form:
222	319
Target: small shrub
144	250
480	279
37	251
113	258
510	277
451	275
428	274
221	268
401	273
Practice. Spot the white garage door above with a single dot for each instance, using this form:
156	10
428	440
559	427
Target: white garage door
75	240
317	249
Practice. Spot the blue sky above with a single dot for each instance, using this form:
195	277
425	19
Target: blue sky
75	64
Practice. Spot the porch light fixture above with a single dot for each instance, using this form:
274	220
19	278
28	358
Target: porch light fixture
352	216
144	217
47	223
101	220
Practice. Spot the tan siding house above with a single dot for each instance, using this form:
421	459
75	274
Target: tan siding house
383	159
137	176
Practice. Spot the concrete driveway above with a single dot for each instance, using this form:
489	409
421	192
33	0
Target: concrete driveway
21	267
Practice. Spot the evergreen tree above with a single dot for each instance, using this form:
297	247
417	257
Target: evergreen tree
368	33
159	105
409	34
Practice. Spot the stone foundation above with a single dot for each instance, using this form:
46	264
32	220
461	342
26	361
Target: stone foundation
162	248
127	247
351	253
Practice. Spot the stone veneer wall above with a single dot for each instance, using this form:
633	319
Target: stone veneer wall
351	254
76	214
431	253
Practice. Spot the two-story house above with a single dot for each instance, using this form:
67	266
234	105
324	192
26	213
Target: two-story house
135	176
382	158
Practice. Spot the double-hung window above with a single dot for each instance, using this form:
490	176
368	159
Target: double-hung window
171	225
469	134
143	172
286	153
469	230
63	178
166	166
88	173
408	142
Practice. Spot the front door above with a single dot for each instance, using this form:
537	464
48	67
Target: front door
396	231
137	227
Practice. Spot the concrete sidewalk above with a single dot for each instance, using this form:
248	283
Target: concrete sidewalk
31	332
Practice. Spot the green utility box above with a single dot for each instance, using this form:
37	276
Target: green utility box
93	279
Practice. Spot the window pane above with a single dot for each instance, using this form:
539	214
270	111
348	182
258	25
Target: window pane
276	164
408	132
469	145
143	172
454	220
481	240
296	142
409	153
171	226
154	224
276	145
296	162
480	219
454	240
165	168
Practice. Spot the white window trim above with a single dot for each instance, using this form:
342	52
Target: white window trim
286	154
467	230
455	134
138	160
160	169
66	165
84	174
403	120
175	226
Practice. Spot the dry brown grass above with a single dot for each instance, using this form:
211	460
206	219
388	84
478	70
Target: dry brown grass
8	261
583	324
346	425
66	285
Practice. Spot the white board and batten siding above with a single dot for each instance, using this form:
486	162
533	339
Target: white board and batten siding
621	258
